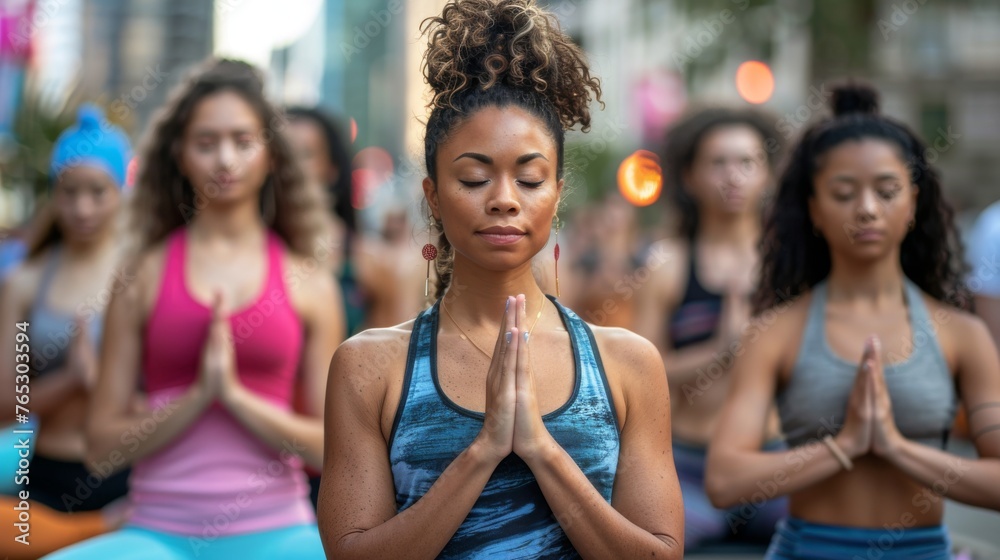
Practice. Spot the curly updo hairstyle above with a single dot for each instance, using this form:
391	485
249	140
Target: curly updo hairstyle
499	53
794	259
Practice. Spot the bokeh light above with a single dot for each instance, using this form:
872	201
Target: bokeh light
354	130
640	178
754	81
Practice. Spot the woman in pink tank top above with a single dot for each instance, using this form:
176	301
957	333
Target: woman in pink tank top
227	321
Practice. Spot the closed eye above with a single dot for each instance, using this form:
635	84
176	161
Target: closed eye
532	185
473	183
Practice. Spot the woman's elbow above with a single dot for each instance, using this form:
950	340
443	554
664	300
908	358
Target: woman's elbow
719	487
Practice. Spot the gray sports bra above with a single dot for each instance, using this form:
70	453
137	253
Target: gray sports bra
921	388
51	331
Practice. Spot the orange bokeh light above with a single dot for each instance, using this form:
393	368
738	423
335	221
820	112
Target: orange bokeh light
354	130
754	81
640	178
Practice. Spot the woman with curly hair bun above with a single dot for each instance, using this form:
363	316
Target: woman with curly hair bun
862	342
227	319
498	424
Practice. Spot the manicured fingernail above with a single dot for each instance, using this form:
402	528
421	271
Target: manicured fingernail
508	336
526	334
506	306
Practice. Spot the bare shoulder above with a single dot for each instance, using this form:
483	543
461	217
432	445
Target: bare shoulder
667	261
141	277
627	350
22	283
959	332
775	334
372	356
668	257
950	319
310	284
783	319
632	365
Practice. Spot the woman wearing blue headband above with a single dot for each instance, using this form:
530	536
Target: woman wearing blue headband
61	291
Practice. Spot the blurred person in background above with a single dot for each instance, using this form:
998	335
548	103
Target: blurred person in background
984	256
602	285
228	324
718	164
406	268
861	343
370	270
319	143
61	292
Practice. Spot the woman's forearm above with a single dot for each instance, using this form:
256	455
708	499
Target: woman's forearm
423	529
47	392
734	474
283	430
970	481
596	529
125	439
684	366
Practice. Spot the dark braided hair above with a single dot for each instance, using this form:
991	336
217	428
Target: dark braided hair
500	53
794	259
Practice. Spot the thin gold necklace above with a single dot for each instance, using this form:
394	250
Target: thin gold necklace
465	336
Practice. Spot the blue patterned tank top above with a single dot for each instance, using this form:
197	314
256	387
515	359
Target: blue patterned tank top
511	518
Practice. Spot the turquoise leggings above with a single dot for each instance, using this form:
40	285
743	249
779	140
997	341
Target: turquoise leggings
137	543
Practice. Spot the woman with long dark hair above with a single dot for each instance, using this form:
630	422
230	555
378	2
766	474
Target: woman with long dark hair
862	342
498	423
228	319
719	164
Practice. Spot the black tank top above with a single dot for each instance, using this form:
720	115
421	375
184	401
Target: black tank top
697	317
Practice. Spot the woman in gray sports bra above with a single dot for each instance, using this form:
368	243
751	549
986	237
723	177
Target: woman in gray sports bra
861	339
58	296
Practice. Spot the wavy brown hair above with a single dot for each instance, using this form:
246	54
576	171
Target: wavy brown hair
165	200
498	53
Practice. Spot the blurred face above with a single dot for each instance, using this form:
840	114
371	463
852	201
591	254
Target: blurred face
86	201
496	191
309	144
223	153
864	199
729	173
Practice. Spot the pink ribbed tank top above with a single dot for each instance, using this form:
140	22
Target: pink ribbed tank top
217	478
